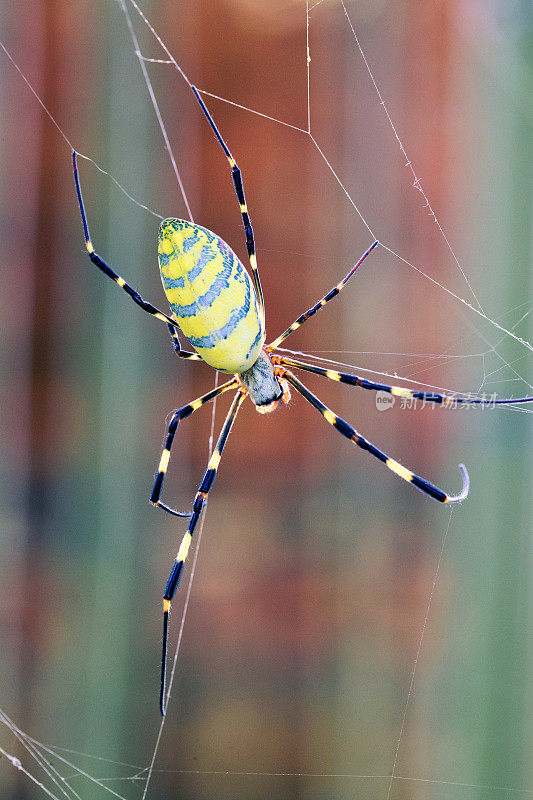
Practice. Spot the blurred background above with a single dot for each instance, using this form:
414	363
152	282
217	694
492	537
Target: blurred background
319	570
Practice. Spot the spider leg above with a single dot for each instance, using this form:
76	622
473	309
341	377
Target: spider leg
177	346
199	502
327	297
177	416
101	264
397	391
350	433
239	190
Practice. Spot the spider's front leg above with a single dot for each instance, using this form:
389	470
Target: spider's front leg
239	191
321	303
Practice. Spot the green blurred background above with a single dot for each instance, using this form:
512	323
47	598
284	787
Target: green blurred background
317	566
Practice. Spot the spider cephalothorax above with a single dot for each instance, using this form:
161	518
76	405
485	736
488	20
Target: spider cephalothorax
264	386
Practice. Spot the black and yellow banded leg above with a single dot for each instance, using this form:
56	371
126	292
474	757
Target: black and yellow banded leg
397	391
321	303
199	502
177	346
106	269
177	416
350	433
239	190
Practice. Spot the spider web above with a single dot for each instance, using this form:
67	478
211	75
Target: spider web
61	773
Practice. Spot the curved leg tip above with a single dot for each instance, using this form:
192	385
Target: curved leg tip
463	494
173	511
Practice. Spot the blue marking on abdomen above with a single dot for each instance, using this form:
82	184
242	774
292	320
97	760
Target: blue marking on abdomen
222	333
221	282
254	343
190	241
207	255
172	283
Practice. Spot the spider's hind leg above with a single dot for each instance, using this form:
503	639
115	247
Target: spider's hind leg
199	502
350	433
177	416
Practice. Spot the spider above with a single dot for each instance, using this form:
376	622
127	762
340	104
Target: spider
220	309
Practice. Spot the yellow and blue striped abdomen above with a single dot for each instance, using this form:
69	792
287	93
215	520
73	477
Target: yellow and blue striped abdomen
211	295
